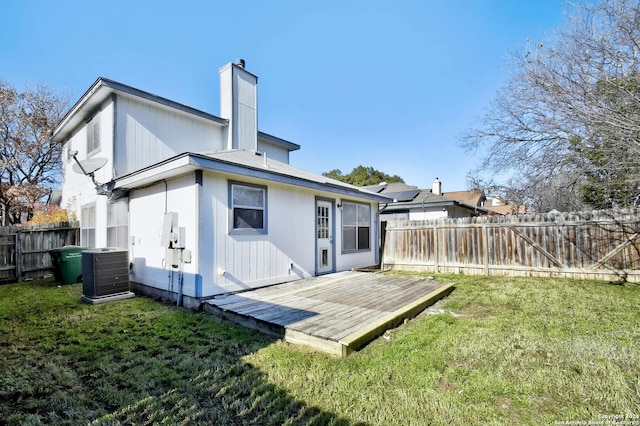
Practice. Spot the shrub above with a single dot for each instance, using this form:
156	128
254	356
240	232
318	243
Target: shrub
51	214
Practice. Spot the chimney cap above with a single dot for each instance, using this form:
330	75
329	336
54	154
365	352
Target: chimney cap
240	62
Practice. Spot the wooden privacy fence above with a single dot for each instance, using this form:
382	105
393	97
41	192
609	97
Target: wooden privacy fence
24	250
591	245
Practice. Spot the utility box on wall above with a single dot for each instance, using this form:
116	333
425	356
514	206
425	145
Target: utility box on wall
105	275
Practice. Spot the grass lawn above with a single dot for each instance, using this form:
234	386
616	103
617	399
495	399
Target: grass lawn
496	351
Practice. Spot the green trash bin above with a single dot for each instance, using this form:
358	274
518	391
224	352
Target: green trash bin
67	264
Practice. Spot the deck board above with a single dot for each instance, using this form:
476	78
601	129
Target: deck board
336	312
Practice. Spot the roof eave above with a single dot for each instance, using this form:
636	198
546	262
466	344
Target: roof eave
187	162
75	109
101	89
278	141
434	204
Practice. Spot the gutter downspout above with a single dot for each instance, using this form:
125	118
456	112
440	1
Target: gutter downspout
180	279
378	258
200	242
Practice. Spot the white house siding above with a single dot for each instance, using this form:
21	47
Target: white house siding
358	259
78	189
146	215
234	262
432	213
231	262
427	214
274	152
148	134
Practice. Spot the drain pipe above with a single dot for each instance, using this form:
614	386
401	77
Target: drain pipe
180	281
379	238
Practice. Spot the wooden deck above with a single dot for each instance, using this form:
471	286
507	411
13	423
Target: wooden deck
337	313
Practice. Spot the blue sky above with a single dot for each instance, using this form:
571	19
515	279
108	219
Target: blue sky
390	85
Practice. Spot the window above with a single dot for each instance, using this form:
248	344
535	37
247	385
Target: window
356	226
248	208
118	224
88	226
323	222
93	135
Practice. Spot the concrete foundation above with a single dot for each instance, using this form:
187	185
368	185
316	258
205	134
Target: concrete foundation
111	298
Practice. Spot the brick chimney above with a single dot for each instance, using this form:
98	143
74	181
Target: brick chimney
239	105
436	187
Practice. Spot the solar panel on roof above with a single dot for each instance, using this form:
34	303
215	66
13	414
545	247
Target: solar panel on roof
376	188
391	194
402	196
408	195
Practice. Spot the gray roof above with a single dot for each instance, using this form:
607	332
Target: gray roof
102	88
416	198
426	199
422	199
390	187
277	141
242	163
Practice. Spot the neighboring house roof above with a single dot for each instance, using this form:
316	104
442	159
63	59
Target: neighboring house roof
473	197
427	199
411	197
244	163
397	191
508	209
102	88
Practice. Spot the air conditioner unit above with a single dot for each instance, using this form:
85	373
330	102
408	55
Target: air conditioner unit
105	274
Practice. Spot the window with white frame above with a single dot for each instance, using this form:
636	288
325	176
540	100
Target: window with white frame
93	135
248	208
118	224
88	226
356	226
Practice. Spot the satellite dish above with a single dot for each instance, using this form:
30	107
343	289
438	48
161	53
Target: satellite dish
89	166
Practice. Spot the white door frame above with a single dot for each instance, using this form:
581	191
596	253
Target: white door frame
325	246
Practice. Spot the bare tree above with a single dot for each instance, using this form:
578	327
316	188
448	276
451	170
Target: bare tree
570	115
29	159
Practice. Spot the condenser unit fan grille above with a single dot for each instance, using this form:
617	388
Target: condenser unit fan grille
105	272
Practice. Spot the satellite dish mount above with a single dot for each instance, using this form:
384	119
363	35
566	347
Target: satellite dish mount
89	167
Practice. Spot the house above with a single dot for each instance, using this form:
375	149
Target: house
477	197
411	203
471	197
498	205
205	205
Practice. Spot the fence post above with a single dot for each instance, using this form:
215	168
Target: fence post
485	248
436	245
18	256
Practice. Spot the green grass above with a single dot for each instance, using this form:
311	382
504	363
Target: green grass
496	351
